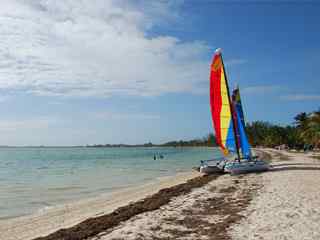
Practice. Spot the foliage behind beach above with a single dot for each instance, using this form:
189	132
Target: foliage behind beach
304	131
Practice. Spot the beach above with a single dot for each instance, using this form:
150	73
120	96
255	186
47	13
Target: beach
45	222
287	206
159	120
279	204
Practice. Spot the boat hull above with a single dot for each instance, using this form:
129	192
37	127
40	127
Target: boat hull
212	166
210	169
246	167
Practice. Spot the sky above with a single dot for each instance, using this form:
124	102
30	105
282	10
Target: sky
79	72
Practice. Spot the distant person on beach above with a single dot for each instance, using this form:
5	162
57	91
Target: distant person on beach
154	157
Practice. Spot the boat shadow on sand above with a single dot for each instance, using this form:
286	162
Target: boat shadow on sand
294	166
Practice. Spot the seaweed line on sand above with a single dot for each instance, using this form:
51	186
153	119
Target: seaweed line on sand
231	200
205	213
96	225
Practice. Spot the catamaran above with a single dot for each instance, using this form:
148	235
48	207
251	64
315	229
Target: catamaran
229	124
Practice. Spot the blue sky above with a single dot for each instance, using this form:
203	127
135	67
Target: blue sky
75	73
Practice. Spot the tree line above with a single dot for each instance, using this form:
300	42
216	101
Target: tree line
304	132
207	141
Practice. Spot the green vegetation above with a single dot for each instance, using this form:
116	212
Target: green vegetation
305	131
208	141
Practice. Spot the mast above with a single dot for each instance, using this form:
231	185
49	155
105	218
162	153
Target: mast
231	110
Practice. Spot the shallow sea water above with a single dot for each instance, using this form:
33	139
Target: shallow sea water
35	178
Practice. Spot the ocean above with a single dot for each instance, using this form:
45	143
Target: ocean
32	179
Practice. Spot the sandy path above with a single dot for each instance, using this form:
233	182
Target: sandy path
287	207
64	216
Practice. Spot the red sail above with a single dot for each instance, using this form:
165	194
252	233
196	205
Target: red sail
220	106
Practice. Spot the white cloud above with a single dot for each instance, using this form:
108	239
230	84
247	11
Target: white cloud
301	97
93	48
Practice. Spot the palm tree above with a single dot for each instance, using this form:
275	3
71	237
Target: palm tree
311	132
301	119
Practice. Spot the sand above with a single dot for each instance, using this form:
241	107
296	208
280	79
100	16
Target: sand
50	220
205	213
93	226
287	207
280	204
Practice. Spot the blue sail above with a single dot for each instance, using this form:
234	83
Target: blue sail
244	143
240	128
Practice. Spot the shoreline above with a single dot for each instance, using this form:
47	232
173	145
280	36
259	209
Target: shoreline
105	194
66	215
189	206
55	176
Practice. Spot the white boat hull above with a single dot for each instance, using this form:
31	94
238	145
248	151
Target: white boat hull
246	167
212	166
210	169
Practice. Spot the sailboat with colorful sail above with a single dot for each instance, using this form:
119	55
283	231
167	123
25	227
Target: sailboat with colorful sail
229	125
220	106
246	162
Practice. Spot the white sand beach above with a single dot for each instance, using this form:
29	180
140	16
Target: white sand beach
287	206
186	217
279	204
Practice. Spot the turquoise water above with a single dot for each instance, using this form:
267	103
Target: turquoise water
34	178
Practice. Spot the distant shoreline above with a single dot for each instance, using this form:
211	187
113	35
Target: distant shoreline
103	146
208	141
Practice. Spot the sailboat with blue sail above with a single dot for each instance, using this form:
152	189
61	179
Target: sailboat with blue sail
229	125
245	162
